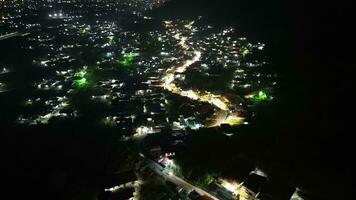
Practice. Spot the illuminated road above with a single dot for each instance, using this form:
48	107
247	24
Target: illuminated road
218	101
10	35
176	180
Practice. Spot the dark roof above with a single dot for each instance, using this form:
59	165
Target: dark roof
194	195
276	190
255	182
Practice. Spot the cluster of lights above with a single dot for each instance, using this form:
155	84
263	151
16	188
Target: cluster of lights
58	15
144	130
81	79
57	106
218	101
128	59
180	43
258	97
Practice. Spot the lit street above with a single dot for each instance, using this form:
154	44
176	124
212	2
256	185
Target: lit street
176	180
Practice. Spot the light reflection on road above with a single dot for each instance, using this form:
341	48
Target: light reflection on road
227	115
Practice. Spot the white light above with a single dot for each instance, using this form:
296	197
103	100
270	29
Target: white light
231	186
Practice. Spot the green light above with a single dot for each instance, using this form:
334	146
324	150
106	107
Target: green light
81	74
81	83
81	79
245	52
260	96
128	60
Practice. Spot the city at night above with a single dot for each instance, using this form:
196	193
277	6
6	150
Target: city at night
176	100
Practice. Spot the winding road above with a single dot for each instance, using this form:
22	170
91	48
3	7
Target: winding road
218	101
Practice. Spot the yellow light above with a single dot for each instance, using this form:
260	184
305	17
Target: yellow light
235	120
229	185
